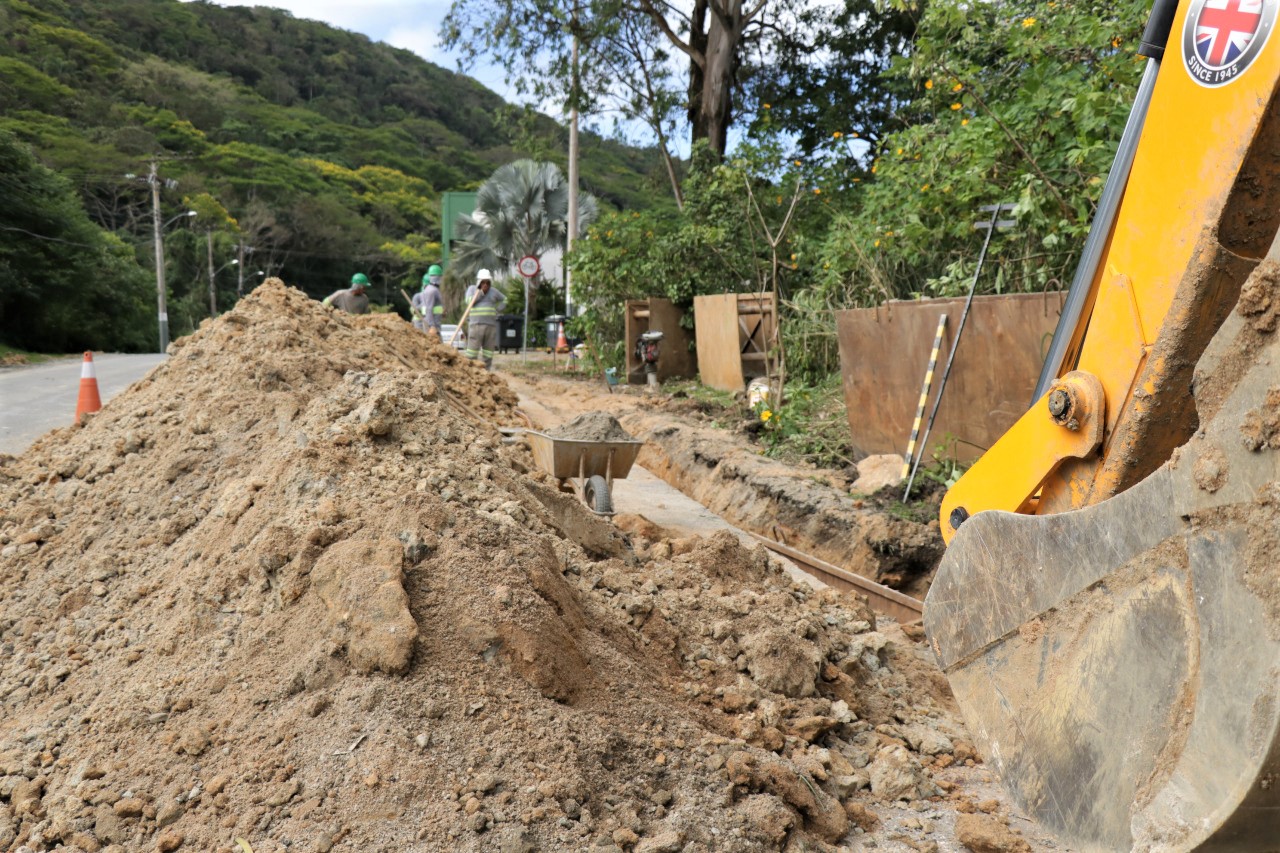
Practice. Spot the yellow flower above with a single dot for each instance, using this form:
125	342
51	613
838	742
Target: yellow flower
888	233
854	135
826	266
857	180
957	87
1115	42
955	106
608	233
793	256
798	163
899	152
765	415
817	191
768	106
928	84
925	188
837	135
964	121
877	244
1028	22
873	170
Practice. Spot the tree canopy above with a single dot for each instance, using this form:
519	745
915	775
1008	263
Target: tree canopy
65	284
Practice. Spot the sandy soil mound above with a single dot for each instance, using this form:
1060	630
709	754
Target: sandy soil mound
592	426
285	589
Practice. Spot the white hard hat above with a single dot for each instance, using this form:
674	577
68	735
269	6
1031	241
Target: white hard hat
484	275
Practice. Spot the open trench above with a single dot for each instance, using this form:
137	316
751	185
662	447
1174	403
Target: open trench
798	507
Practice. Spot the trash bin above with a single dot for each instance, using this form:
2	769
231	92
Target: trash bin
551	327
510	332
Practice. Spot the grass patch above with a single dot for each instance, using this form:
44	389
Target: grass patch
694	390
811	426
12	356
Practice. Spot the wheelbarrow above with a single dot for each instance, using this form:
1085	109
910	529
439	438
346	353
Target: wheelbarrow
584	468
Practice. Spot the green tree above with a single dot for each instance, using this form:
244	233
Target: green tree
825	80
65	284
720	242
712	36
1021	102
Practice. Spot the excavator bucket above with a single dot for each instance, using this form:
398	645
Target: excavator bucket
1119	665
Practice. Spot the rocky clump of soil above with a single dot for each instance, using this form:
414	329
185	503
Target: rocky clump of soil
592	426
287	589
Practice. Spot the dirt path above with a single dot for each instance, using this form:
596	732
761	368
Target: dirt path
650	505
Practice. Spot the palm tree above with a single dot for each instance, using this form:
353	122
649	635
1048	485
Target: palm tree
522	209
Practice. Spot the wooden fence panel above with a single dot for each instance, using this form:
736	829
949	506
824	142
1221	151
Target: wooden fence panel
733	334
884	352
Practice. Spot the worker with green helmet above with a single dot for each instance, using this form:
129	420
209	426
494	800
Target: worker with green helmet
353	299
428	304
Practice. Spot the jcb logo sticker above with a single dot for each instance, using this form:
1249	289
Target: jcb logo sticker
1221	38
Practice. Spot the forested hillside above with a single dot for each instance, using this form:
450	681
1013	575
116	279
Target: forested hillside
316	149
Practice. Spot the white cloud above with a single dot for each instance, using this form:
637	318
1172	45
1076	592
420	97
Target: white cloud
422	39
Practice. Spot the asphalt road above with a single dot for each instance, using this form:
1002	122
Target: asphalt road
36	399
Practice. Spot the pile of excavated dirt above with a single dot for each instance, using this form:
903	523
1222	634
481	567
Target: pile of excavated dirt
285	590
592	426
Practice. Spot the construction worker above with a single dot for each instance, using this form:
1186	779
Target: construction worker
428	304
482	330
352	300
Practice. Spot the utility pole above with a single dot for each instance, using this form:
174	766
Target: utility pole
572	226
213	293
162	311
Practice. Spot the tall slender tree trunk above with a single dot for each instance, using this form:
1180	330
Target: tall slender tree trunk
697	48
714	38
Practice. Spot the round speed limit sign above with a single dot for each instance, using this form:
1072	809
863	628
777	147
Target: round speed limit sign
529	266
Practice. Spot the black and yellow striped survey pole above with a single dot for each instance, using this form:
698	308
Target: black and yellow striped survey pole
924	396
990	226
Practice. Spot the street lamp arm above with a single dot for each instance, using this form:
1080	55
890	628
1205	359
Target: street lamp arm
180	216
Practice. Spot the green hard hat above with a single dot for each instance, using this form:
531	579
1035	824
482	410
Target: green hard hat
435	269
359	279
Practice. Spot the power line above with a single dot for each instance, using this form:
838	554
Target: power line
50	239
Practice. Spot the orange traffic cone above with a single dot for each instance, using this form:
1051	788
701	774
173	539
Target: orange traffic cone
89	400
562	343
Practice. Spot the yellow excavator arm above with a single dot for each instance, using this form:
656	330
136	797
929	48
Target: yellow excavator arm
1199	211
1108	609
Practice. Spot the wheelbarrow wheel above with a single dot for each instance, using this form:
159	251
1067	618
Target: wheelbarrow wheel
596	494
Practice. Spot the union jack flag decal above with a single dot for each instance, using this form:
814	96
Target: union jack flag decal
1221	38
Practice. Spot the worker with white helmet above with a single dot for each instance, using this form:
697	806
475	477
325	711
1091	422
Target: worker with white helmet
482	329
